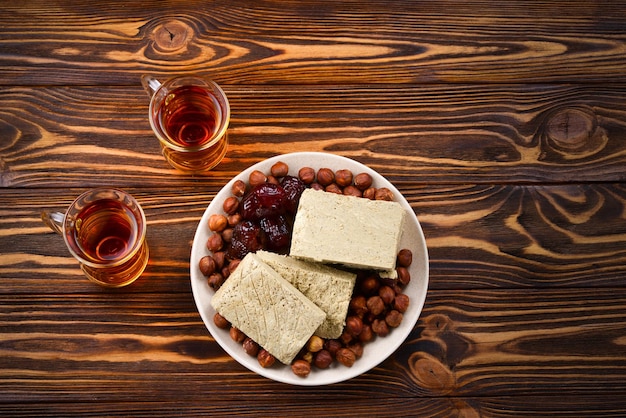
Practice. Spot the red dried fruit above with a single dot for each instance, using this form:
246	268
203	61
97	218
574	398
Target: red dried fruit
264	200
247	237
277	232
293	188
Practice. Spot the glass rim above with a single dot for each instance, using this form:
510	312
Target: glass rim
224	121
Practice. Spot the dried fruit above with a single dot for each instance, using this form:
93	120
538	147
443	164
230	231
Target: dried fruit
247	237
293	188
264	200
277	232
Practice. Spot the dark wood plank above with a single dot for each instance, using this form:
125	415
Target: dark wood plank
467	343
314	42
85	136
479	236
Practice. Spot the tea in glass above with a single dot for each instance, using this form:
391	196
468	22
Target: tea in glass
105	230
190	116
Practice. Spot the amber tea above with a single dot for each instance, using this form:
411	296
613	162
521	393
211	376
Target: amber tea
189	115
105	230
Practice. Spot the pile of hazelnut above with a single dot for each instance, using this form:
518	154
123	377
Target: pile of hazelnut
377	305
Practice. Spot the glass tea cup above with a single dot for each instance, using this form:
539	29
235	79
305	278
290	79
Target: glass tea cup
189	115
105	230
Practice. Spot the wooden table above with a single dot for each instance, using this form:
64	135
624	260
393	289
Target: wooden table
503	124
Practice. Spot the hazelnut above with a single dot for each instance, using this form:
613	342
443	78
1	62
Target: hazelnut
363	181
405	257
273	180
315	344
332	346
234	219
345	337
207	265
387	294
238	188
301	368
227	235
215	281
383	193
217	222
380	328
219	257
237	335
343	177
352	191
370	285
357	349
306	175
308	357
401	303
333	188
354	325
404	277
366	334
233	264
369	193
215	243
250	347
279	169
316	186
225	272
393	318
256	178
358	305
325	176
265	359
220	321
346	357
322	359
375	305
230	205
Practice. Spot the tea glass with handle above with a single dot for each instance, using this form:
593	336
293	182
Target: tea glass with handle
105	230
189	115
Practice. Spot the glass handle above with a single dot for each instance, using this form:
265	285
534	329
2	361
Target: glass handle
54	220
150	84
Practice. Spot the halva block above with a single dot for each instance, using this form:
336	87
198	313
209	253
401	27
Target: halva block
347	230
329	288
267	308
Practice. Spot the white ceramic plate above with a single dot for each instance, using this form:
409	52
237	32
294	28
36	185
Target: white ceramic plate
375	351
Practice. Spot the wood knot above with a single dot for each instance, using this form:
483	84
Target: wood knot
172	36
431	374
574	133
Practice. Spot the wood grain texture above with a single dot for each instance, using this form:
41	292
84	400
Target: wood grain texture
85	136
486	343
478	236
502	123
314	42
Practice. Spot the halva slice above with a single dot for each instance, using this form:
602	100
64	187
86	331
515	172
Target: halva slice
267	308
327	287
347	230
